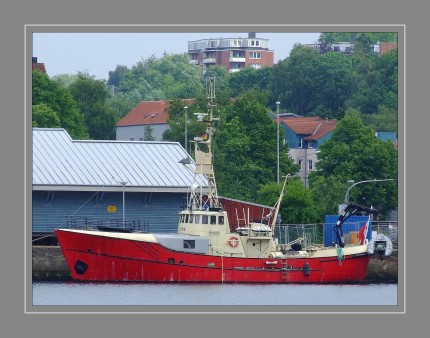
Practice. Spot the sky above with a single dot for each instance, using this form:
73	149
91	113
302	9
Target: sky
99	53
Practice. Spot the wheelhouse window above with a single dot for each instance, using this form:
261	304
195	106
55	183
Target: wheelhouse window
189	244
205	219
213	219
221	220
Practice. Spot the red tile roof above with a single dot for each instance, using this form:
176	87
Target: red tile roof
39	66
147	113
314	127
385	47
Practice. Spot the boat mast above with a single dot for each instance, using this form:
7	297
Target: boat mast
278	205
203	152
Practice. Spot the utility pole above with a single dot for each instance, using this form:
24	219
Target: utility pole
277	141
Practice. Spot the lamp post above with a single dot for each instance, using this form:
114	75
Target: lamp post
360	182
305	177
123	183
277	141
186	128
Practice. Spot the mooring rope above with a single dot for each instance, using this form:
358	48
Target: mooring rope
42	237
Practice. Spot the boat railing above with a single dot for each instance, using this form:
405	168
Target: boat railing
74	222
307	234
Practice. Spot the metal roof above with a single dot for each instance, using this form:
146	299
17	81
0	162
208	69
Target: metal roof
60	163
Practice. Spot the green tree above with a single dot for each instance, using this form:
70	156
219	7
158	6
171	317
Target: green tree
383	120
373	37
147	134
246	150
294	80
170	77
45	117
376	82
90	96
297	206
223	91
333	75
327	193
117	75
172	74
354	152
65	80
250	78
176	131
52	94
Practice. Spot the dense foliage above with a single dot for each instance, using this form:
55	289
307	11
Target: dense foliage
49	97
90	96
354	153
246	150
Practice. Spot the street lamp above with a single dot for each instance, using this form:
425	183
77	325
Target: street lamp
360	182
277	141
123	183
349	183
305	177
186	128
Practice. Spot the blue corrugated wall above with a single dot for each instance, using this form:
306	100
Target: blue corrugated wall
159	210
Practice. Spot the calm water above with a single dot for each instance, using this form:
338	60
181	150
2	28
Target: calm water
76	293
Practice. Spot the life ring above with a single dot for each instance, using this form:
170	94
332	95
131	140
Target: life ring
233	242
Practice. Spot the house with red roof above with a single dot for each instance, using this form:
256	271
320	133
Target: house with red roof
147	118
304	135
37	65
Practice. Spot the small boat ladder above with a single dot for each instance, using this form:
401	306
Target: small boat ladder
284	268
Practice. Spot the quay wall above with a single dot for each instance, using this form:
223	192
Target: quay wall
49	264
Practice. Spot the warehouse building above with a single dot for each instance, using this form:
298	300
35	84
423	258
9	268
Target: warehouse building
141	184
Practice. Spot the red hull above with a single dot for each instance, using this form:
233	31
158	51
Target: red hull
97	258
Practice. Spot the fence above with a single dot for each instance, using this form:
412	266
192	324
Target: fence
312	234
321	233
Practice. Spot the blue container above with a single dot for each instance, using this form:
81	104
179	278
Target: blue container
353	223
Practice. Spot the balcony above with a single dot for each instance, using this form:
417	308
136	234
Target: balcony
237	59
234	70
209	60
194	62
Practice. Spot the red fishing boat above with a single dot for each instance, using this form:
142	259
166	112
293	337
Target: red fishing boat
206	249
